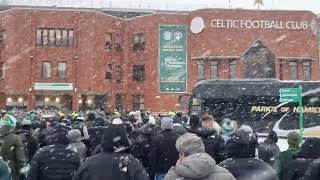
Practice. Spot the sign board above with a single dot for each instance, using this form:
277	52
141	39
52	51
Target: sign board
294	95
54	86
172	62
290	95
260	24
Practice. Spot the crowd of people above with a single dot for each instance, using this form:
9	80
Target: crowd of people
142	146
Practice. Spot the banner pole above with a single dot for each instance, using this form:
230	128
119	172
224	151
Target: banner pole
300	114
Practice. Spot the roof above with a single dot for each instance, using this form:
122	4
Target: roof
250	87
127	13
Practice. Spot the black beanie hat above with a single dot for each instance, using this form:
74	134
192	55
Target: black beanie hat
115	138
273	136
242	144
194	120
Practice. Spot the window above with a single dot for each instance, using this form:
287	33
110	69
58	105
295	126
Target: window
46	70
39	36
201	71
118	73
2	43
64	37
52	37
138	42
138	72
214	70
109	42
109	71
70	38
293	70
62	70
307	71
55	37
118	102
138	102
58	37
281	70
1	70
44	37
118	42
233	70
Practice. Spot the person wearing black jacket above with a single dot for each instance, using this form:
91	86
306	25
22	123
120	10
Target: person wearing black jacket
55	161
163	153
304	166
313	172
213	142
195	124
269	150
114	162
30	143
241	162
95	135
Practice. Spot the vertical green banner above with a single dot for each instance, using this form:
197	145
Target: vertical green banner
173	58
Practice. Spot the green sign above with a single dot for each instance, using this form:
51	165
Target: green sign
54	86
290	95
172	61
294	95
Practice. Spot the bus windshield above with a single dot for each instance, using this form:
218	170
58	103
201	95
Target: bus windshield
257	104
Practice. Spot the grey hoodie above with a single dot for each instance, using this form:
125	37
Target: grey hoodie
200	166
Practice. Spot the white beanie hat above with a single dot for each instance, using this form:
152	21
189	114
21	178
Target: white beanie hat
116	121
152	120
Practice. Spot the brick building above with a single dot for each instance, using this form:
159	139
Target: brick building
109	58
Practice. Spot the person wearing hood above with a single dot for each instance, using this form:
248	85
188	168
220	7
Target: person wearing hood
12	150
114	162
286	157
241	162
269	150
308	155
74	136
213	142
55	161
194	163
163	153
227	129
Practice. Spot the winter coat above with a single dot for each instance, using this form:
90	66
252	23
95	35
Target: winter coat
13	152
56	161
179	129
4	170
249	168
268	151
80	148
313	171
149	131
140	145
297	169
284	158
95	137
213	143
117	166
309	152
30	144
163	153
199	166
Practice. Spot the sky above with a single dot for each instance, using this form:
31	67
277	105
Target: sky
312	5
